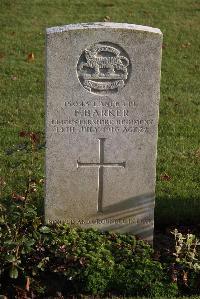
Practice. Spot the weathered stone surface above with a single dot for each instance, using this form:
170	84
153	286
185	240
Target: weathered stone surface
102	92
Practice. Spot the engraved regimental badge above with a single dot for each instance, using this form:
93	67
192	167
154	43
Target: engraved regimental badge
103	68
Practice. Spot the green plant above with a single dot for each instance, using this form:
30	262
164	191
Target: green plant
186	250
186	267
136	271
19	219
45	259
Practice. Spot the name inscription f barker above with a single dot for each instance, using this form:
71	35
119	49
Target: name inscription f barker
102	90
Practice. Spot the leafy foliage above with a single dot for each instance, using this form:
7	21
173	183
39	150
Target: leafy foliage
186	267
79	261
186	250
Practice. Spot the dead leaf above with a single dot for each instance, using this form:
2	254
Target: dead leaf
2	182
174	277
107	19
27	288
22	134
186	45
185	278
33	187
17	197
82	261
31	57
165	177
34	137
197	153
2	55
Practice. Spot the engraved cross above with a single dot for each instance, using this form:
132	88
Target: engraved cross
101	164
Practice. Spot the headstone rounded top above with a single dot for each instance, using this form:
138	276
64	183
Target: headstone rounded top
98	25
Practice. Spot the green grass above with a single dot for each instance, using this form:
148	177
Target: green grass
22	32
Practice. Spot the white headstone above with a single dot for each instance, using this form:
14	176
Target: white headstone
102	92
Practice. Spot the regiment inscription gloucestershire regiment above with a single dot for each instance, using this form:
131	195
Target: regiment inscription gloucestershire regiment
102	89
